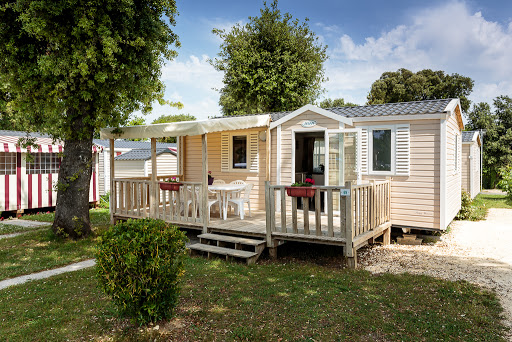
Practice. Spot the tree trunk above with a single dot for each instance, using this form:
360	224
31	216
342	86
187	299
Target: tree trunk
72	210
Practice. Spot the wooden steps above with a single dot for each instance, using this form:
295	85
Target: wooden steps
229	246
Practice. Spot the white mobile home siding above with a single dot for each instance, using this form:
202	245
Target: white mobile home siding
453	169
415	199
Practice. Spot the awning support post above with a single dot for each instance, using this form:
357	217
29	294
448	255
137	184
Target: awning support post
204	182
112	193
153	207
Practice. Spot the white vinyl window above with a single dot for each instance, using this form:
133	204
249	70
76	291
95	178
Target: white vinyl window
385	150
7	163
381	150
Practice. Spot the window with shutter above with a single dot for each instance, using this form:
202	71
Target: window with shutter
239	152
402	153
385	150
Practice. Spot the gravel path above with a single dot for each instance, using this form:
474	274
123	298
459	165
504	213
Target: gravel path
479	252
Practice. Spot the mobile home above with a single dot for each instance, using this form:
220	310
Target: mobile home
29	183
471	162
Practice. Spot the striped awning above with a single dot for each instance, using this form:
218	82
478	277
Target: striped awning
45	145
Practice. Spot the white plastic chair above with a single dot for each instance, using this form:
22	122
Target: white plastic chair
213	198
218	181
239	202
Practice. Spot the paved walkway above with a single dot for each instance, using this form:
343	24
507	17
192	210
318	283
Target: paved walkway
47	274
479	252
25	223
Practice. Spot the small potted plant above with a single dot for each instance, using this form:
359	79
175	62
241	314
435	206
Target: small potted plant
172	184
302	189
210	178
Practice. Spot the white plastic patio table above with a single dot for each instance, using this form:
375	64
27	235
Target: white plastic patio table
224	189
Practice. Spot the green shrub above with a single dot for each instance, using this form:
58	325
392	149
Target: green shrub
505	183
104	201
466	209
139	265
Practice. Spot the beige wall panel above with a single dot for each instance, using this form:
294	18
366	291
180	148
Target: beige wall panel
415	199
193	165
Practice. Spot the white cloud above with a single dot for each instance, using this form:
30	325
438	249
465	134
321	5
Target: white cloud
448	37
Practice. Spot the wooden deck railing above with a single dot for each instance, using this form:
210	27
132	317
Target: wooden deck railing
132	198
351	214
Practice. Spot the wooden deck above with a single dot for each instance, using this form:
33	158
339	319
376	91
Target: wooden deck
353	214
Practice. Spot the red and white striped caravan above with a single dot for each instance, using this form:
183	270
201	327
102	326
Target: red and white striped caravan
28	183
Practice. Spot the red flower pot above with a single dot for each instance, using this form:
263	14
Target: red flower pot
300	191
170	186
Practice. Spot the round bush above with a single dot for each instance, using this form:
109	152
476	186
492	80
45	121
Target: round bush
139	265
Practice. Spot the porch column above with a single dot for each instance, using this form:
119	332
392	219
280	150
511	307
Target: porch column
112	193
204	181
267	156
153	208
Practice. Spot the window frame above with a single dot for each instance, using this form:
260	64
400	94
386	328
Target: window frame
231	155
230	168
12	164
392	129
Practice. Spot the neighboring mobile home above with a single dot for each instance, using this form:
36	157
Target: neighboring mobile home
471	162
417	145
120	147
28	183
137	163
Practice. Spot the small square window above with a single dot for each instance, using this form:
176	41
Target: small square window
239	152
381	150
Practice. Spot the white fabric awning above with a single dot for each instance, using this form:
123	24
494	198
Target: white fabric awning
177	129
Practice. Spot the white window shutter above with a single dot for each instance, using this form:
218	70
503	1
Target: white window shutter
224	152
253	151
402	150
364	151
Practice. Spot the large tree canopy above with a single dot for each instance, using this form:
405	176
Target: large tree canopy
272	63
71	67
404	85
497	146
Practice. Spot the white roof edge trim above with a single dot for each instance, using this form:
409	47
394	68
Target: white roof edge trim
188	128
404	117
450	107
315	109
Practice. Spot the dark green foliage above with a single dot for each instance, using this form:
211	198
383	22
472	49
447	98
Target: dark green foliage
505	183
466	209
172	118
497	140
338	102
69	68
140	264
403	85
272	63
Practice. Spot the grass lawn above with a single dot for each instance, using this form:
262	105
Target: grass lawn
41	249
99	217
482	202
297	301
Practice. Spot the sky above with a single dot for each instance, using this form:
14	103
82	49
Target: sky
365	38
